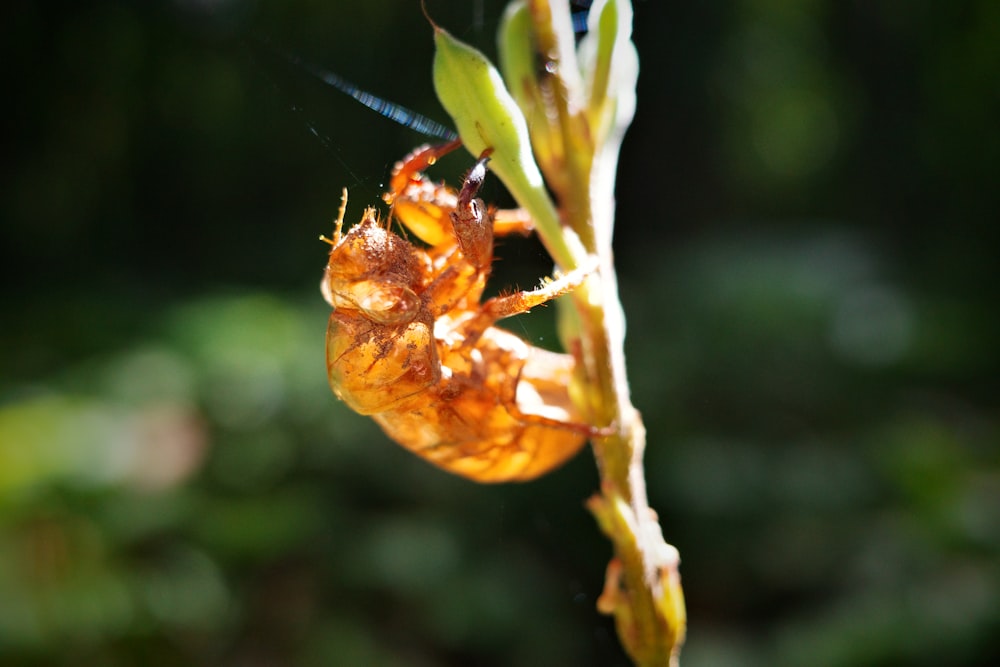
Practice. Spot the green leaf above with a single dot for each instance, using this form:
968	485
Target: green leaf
487	117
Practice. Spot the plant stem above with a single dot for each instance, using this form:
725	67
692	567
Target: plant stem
643	587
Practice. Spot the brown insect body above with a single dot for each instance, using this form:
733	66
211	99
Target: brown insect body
411	342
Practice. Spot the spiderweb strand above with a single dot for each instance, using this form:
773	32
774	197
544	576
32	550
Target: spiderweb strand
398	113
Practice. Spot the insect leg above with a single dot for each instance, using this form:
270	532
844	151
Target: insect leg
512	221
471	221
540	386
407	169
588	430
507	305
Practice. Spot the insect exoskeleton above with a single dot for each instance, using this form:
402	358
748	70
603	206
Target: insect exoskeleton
412	343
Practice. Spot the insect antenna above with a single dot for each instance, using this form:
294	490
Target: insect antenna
338	226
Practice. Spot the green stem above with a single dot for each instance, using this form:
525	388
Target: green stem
643	591
577	133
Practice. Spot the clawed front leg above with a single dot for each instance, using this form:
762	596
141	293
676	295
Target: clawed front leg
471	221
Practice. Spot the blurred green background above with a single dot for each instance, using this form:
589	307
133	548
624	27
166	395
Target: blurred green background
807	240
